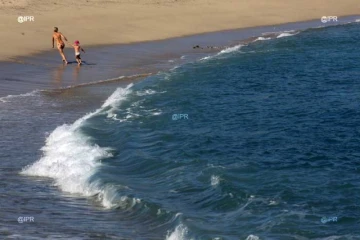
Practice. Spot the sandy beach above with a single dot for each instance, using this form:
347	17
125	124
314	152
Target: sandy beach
99	22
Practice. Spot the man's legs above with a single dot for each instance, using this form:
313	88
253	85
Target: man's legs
61	47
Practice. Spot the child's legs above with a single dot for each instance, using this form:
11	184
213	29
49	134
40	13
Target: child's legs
78	59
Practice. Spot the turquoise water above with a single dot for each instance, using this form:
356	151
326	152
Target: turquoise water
259	141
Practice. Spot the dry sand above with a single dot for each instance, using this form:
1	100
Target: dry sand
96	22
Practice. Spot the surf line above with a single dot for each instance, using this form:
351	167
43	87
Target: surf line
99	82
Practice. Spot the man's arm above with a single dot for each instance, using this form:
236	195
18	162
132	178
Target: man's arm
63	37
82	50
53	41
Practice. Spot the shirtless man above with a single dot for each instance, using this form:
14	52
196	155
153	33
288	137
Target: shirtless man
60	43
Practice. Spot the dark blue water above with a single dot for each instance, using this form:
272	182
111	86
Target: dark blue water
260	141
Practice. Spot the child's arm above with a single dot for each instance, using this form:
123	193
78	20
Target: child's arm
82	50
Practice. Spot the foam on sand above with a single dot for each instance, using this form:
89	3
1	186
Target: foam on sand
9	97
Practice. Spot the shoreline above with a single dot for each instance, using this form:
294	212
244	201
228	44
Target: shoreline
116	61
107	22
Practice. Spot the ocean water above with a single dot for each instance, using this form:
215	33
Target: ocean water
258	141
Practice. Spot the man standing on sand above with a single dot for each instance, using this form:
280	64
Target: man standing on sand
60	43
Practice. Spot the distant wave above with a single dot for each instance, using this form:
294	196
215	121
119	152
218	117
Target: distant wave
230	49
286	34
224	51
265	37
262	39
277	32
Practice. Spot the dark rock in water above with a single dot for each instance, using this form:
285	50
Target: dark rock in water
208	47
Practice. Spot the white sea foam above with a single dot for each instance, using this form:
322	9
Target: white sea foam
174	68
205	58
252	237
224	51
179	233
9	97
136	110
230	49
286	34
115	99
278	32
262	39
357	20
70	158
147	92
215	180
153	112
131	115
272	202
156	113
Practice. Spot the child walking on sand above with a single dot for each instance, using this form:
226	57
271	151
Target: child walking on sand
77	48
